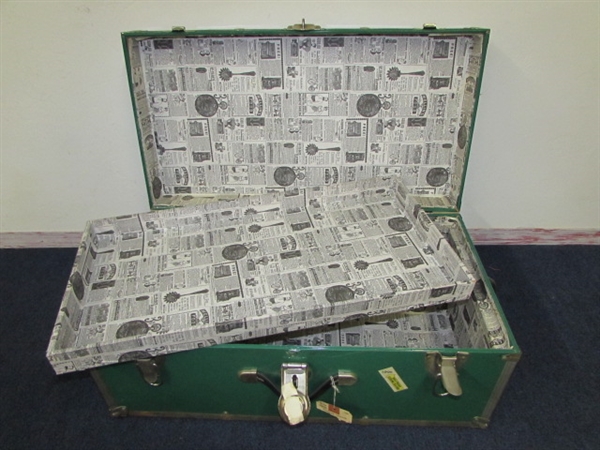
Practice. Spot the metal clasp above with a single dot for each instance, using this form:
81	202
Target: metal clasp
445	370
304	26
294	402
294	398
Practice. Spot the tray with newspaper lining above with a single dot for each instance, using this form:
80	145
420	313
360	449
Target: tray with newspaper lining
173	280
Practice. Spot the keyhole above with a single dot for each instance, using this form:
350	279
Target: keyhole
295	381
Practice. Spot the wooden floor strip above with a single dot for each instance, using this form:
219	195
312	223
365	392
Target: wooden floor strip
481	236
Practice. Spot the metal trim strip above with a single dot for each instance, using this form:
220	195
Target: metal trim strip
501	384
362	421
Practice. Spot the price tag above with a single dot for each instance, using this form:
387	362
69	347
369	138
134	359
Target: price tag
335	411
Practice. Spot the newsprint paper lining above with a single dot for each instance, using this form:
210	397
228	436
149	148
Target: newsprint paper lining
167	281
237	115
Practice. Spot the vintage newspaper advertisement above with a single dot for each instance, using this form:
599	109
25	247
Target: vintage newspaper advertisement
183	278
224	116
472	323
423	329
465	324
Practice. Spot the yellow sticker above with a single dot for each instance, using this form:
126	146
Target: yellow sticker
393	380
335	411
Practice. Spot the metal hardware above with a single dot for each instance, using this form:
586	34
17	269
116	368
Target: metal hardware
445	370
511	361
254	376
151	369
480	422
248	375
118	411
294	399
178	29
345	378
304	26
294	403
429	26
512	357
296	373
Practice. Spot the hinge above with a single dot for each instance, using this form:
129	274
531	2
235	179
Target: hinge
429	26
304	26
178	29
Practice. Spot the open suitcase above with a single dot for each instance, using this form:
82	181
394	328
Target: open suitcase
232	115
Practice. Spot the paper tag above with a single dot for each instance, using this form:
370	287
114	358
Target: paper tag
335	411
393	380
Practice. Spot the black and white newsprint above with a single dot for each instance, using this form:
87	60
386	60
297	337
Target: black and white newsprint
225	115
190	277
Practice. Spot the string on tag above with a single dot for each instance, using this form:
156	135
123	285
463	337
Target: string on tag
336	390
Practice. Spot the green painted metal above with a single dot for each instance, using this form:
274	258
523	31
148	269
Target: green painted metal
205	381
320	32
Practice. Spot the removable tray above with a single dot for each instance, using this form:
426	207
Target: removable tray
184	278
473	323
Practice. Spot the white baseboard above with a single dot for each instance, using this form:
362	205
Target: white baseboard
534	236
481	236
40	239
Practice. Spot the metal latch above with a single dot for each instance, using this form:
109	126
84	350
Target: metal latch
294	399
445	370
151	369
304	26
294	402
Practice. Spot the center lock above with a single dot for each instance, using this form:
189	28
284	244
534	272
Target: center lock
294	399
294	402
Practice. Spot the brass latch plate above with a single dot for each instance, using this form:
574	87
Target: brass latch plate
304	26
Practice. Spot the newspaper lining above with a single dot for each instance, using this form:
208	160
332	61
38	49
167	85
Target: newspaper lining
476	322
178	279
223	116
427	329
472	323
